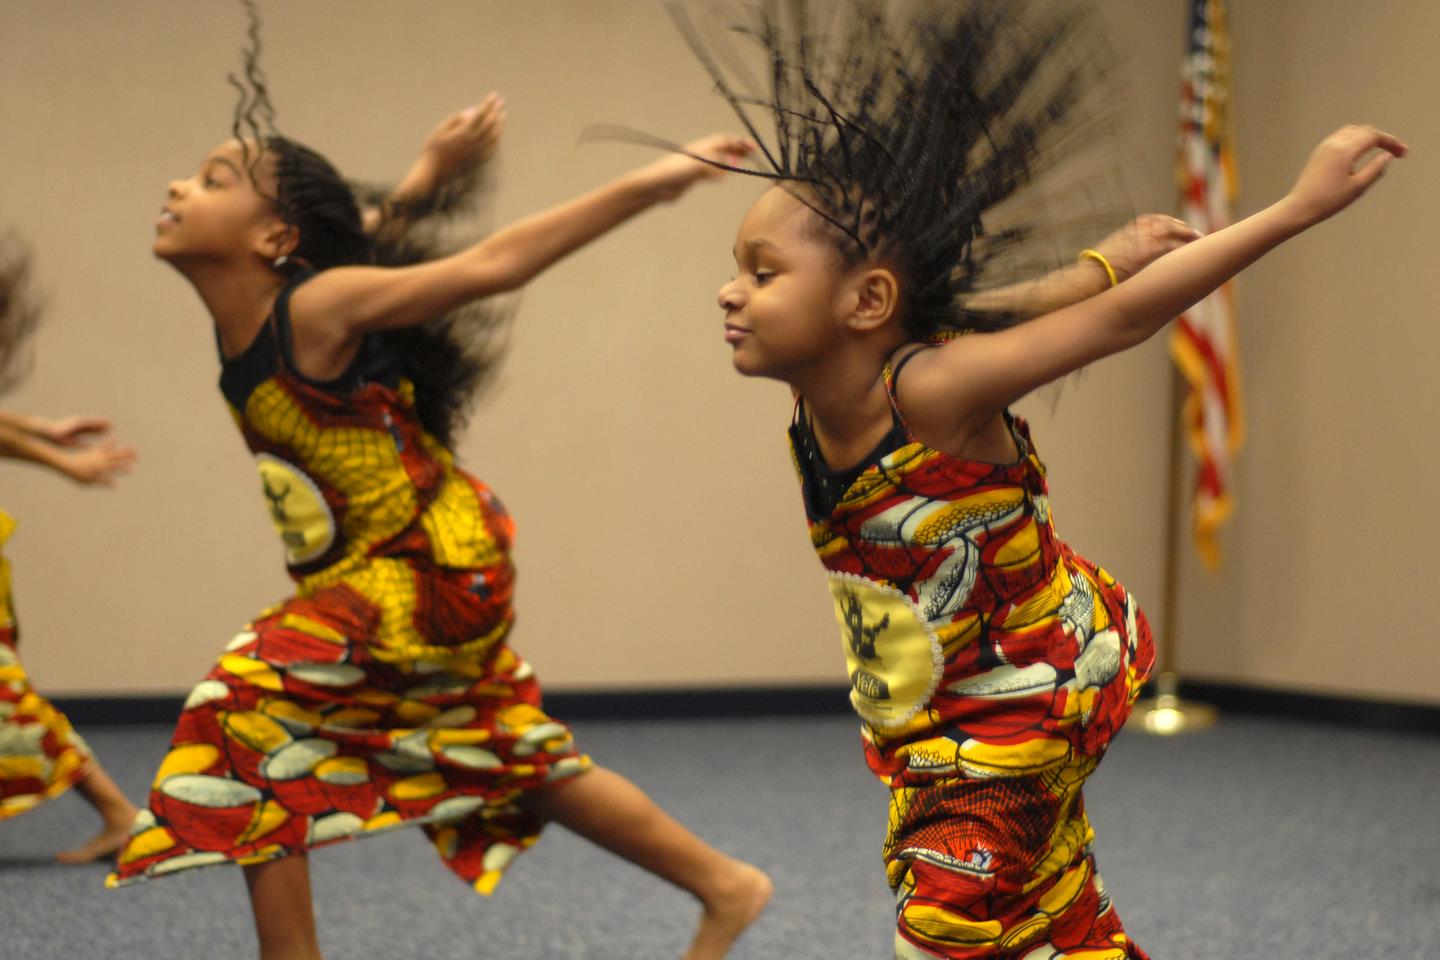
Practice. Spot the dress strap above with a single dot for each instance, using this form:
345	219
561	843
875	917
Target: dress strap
279	320
267	353
892	377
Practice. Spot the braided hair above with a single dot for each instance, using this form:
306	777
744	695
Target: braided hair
19	311
913	135
447	358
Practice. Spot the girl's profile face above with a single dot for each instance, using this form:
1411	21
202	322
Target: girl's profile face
217	212
782	309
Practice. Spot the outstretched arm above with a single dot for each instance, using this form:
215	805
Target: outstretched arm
56	444
456	148
980	375
348	301
64	432
1127	250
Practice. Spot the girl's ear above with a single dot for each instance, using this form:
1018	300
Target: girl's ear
277	239
877	299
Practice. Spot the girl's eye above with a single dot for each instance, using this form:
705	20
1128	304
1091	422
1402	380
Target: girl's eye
762	276
211	182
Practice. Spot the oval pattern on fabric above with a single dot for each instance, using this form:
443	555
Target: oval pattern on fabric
327	674
296	759
214	792
1007	681
476	758
206	691
185	861
335	826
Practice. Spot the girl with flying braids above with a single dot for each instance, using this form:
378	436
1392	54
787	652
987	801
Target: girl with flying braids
989	663
384	692
41	755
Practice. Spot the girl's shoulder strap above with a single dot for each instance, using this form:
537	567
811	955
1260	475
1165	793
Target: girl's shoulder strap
372	362
1020	430
891	375
268	353
279	322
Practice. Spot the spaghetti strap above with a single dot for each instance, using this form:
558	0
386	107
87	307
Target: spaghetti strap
892	376
895	373
279	321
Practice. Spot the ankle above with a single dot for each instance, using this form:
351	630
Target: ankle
290	951
738	880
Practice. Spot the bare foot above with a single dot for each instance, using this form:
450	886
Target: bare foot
117	812
105	844
729	911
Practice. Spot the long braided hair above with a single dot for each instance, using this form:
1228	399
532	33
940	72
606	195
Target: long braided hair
918	133
19	310
448	358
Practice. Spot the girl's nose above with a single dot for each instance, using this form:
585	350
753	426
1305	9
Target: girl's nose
173	190
729	297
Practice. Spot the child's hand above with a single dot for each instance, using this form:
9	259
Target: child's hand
675	173
71	431
460	143
1142	240
1331	180
98	465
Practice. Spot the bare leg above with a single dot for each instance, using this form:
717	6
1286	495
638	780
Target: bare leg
116	812
606	809
284	915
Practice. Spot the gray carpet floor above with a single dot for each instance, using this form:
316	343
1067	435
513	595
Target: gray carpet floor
1259	838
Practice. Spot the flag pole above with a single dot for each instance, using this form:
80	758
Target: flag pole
1206	176
1166	714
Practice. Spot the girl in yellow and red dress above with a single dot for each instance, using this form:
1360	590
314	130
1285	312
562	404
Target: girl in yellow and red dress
41	755
989	663
385	691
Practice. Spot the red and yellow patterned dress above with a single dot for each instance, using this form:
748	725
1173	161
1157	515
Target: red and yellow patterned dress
41	755
991	666
384	693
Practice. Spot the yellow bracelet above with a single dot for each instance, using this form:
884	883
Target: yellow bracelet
1099	258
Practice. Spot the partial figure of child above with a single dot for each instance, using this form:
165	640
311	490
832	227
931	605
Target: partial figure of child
384	692
989	663
41	755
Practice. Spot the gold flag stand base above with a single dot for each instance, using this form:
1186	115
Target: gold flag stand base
1167	715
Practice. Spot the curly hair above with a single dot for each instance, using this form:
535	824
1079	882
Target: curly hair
448	358
19	310
913	134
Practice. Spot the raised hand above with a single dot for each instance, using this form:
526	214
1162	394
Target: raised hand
675	173
1142	240
460	143
1340	170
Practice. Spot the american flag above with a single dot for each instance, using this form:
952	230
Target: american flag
1203	342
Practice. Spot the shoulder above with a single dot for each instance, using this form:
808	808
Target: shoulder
930	395
312	291
320	345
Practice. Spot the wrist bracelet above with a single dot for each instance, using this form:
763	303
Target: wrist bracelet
1098	257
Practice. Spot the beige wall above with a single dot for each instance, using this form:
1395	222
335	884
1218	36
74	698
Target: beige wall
661	541
1332	573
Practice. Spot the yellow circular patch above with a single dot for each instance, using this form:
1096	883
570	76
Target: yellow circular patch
893	659
299	511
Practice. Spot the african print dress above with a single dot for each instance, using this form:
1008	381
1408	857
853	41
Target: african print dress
384	693
991	666
41	755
